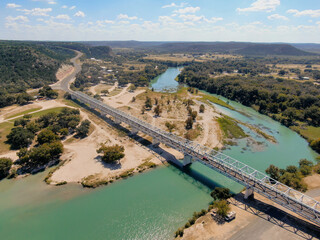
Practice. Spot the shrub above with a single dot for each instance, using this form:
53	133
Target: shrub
222	207
46	136
83	130
5	165
111	153
220	193
20	137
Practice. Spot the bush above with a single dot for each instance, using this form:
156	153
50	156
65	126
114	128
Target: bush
220	193
46	136
222	207
111	153
201	109
5	165
20	137
189	123
83	130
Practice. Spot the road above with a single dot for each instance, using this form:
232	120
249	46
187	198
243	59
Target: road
64	83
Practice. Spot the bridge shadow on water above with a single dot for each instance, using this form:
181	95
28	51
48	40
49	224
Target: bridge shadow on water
263	210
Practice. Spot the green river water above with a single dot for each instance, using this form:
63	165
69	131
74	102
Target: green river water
150	205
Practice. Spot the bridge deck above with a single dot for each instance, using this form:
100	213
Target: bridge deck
285	196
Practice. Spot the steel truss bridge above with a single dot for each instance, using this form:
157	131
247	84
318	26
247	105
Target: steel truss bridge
252	179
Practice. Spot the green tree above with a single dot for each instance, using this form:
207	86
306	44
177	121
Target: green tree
148	103
111	153
83	130
189	123
19	137
273	171
222	207
201	109
220	193
5	165
47	91
157	110
170	126
194	115
46	136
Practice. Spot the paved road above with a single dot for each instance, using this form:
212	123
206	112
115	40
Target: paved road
64	84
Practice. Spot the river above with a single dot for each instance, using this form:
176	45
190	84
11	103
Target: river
150	205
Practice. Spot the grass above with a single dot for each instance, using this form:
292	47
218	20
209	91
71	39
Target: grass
5	129
213	99
114	92
230	128
308	132
24	112
41	113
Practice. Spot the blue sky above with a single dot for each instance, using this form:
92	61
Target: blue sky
157	20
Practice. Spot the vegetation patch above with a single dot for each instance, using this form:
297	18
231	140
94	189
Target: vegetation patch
5	129
24	112
209	98
230	128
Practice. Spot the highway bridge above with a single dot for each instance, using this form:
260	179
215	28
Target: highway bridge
252	179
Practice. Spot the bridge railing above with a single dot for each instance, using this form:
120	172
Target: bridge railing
245	174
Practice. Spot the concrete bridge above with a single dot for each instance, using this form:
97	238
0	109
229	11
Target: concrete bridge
252	179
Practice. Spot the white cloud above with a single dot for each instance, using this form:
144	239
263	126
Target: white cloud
174	5
13	5
165	19
187	10
216	19
72	7
195	18
36	11
311	13
125	16
17	19
109	21
63	17
47	1
261	5
124	22
64	6
79	14
277	17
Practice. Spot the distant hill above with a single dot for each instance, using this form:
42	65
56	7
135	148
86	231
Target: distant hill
272	49
309	47
243	48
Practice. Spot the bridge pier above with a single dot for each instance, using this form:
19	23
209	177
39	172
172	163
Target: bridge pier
248	193
116	121
134	131
187	160
155	142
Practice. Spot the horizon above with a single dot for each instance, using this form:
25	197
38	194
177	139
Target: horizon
259	21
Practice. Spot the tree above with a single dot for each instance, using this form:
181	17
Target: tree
222	207
315	144
189	123
133	99
292	169
33	127
83	130
5	165
41	155
105	91
273	171
46	136
220	193
148	103
194	115
170	126
111	153
47	91
20	137
63	132
201	109
157	110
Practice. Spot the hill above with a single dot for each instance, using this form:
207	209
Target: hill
272	49
243	48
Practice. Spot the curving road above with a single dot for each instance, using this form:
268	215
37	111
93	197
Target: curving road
65	82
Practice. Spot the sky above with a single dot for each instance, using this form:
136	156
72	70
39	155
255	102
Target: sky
290	21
